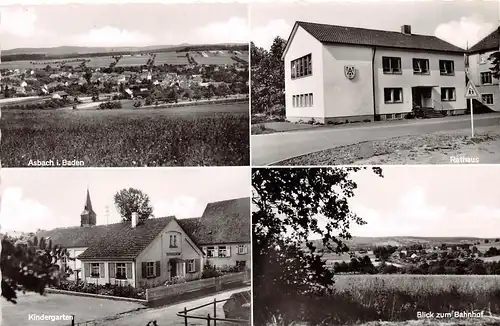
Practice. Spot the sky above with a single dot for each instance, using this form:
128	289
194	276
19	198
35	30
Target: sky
49	198
126	24
428	201
456	22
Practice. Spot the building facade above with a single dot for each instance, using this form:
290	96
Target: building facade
339	74
150	252
478	68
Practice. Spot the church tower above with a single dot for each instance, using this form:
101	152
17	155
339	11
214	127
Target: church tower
88	216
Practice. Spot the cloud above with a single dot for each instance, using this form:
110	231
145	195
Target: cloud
18	213
112	36
263	36
468	29
180	207
234	30
18	22
411	214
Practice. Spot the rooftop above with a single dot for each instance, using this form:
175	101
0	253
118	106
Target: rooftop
371	37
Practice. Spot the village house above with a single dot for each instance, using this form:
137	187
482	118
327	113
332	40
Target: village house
335	73
479	69
150	252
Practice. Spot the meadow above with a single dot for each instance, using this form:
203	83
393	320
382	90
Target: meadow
188	136
171	58
357	299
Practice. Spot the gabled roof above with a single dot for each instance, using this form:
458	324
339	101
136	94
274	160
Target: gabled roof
489	43
334	34
121	241
226	221
75	237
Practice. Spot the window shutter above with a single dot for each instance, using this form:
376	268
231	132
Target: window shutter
228	249
204	249
158	268
245	249
197	267
144	270
101	270
129	270
112	273
86	269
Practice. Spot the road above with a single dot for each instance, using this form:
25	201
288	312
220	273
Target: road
272	148
167	316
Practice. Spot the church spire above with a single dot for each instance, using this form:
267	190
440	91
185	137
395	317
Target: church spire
88	216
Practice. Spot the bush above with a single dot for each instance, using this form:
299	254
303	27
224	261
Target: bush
48	104
175	280
105	289
209	271
110	105
410	115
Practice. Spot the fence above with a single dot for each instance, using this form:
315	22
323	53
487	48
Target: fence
218	283
208	318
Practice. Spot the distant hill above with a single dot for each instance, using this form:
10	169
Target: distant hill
65	50
363	242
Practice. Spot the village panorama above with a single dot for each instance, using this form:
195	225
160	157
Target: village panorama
123	250
121	102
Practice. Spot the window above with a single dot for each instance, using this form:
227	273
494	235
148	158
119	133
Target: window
121	270
393	95
173	241
224	251
64	264
420	66
399	115
190	266
447	94
301	67
487	98
447	67
94	270
388	116
150	269
242	249
302	100
486	77
391	65
210	251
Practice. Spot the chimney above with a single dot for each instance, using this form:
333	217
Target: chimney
406	29
134	219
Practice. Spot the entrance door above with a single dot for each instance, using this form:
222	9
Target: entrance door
173	269
416	98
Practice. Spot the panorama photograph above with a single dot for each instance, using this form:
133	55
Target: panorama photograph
124	85
379	246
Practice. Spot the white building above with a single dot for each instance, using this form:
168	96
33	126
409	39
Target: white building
479	69
335	73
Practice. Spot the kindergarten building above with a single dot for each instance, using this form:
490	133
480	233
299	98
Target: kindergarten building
338	74
150	252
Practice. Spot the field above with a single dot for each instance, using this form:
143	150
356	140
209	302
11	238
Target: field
359	299
185	136
171	58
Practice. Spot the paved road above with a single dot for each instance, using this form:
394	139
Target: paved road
271	148
167	316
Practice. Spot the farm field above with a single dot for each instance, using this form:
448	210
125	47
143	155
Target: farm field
184	136
213	60
360	299
171	58
133	61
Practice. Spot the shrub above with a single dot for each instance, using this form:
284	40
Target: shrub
209	271
110	105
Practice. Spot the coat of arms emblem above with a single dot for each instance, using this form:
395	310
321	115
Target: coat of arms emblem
350	71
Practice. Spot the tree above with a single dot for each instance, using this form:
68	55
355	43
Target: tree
268	78
486	241
287	204
495	61
30	266
128	201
